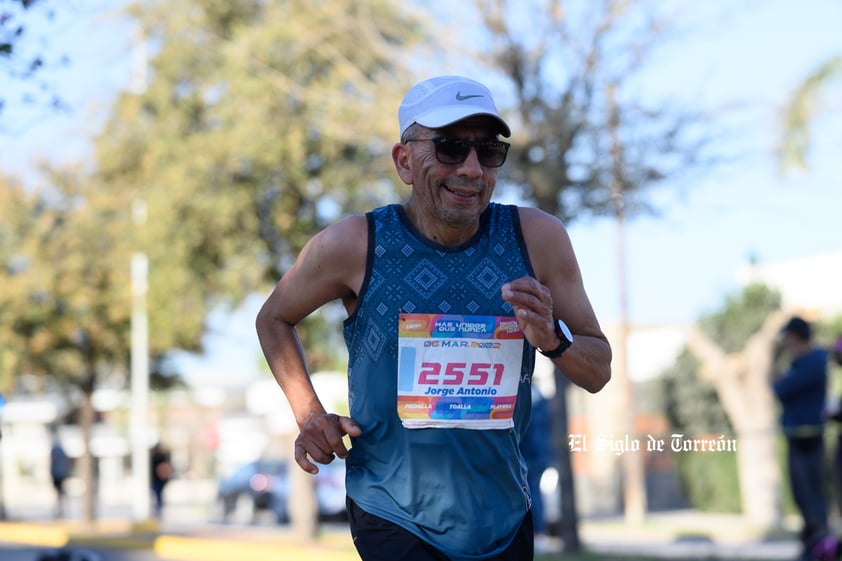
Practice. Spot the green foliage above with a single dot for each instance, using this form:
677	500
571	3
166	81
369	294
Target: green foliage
742	315
263	122
800	112
260	122
828	330
15	207
691	404
788	506
710	481
693	407
64	282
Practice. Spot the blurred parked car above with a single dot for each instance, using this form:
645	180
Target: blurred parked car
263	486
255	487
330	490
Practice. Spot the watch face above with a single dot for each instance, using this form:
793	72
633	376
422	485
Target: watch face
564	330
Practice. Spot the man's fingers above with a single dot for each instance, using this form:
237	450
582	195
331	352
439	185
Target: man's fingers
346	426
527	293
350	426
303	460
340	427
321	440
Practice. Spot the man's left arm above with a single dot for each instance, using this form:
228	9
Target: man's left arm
557	292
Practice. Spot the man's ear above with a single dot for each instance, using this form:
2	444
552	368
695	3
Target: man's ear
401	158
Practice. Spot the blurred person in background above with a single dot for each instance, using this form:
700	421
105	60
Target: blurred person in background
161	472
59	472
802	392
537	450
835	414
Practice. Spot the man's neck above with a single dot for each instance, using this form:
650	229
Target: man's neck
802	349
437	230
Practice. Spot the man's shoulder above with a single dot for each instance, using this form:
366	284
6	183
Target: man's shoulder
535	213
538	222
344	239
351	225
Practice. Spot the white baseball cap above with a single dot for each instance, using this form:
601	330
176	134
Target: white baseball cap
442	100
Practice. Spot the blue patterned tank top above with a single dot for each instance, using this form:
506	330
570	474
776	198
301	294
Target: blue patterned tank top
463	491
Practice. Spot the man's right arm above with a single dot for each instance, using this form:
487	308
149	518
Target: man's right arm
331	266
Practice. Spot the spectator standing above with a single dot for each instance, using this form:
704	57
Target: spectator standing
160	474
59	472
536	447
802	391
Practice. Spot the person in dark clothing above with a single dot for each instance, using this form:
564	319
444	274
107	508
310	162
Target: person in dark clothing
802	391
836	415
160	474
836	353
59	472
536	448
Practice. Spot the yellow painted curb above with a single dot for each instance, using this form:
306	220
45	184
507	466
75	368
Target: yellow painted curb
32	534
190	549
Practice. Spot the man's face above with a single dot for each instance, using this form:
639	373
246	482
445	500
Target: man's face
455	194
786	340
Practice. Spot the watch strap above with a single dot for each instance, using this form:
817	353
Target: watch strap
564	343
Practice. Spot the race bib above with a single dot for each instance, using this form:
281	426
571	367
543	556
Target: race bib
458	371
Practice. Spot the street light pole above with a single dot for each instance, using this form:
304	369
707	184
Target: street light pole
634	470
2	459
139	420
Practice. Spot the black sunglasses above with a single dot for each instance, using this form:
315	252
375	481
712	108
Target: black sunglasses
452	151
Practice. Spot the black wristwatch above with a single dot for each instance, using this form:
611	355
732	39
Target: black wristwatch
566	337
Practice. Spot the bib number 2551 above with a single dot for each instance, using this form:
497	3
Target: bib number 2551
460	373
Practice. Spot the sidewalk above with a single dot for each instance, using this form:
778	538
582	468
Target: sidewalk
185	542
191	530
674	535
692	535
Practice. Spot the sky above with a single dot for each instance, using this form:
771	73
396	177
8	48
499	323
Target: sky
681	263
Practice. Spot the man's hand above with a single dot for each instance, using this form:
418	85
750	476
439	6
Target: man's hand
321	439
533	308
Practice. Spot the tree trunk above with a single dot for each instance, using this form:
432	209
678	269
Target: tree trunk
742	384
303	505
759	478
87	465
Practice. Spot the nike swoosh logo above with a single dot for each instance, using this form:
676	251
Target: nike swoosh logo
460	97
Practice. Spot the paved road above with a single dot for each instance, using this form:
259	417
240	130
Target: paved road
191	524
9	552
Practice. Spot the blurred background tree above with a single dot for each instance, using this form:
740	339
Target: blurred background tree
64	253
587	142
733	347
695	405
256	125
693	409
565	63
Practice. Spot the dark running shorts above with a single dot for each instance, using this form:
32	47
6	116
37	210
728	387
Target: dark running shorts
377	539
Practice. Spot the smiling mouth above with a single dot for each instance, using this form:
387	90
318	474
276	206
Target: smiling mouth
460	193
